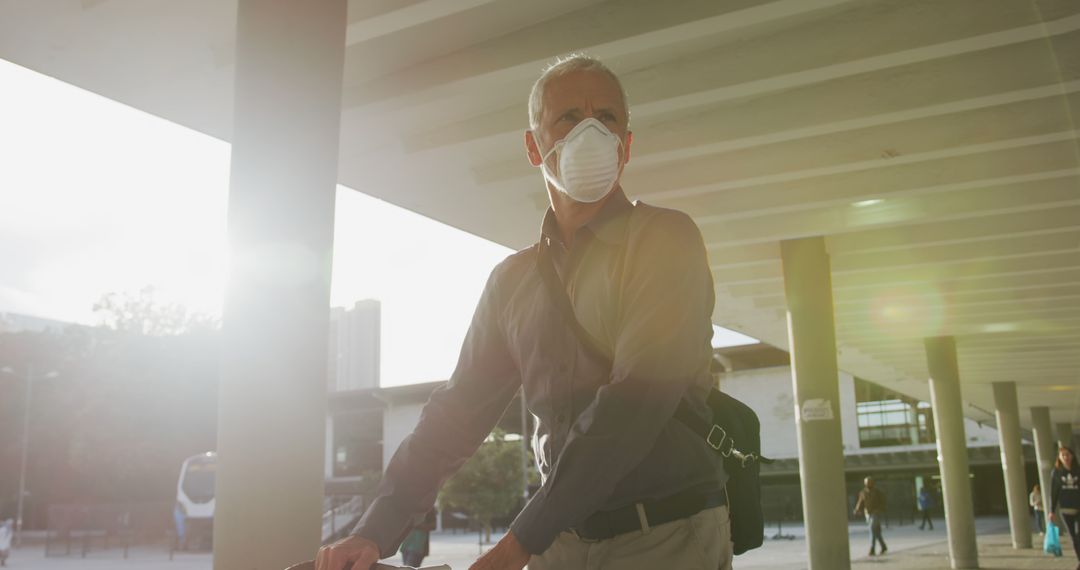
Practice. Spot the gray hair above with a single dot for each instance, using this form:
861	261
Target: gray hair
565	65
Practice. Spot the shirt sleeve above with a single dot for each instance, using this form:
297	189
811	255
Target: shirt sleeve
661	348
452	426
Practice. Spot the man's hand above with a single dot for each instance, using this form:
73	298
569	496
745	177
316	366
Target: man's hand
508	554
351	552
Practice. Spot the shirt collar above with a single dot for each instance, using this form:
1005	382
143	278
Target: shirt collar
609	224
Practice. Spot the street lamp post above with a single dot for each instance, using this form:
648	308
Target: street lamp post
25	445
25	450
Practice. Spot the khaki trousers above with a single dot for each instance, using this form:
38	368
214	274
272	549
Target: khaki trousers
699	542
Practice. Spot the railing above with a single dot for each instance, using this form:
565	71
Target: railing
81	529
77	530
340	514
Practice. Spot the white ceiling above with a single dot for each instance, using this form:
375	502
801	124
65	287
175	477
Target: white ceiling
764	120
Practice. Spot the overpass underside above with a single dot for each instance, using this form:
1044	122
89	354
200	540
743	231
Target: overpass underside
890	188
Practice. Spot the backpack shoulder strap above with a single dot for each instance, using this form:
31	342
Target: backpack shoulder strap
557	292
714	433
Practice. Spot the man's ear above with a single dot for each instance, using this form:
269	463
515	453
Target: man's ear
629	139
532	150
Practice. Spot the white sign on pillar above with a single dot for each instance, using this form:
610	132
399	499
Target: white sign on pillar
816	409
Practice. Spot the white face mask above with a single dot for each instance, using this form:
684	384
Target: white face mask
588	162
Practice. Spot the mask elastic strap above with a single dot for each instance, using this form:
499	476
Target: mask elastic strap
548	174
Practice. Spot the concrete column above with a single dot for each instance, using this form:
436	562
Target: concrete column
1012	462
952	450
272	405
1045	449
1064	433
815	377
328	456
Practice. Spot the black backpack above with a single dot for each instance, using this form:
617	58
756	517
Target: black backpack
736	434
735	431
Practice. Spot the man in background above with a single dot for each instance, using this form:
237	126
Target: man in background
926	504
872	502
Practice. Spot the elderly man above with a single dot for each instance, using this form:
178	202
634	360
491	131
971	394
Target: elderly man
625	484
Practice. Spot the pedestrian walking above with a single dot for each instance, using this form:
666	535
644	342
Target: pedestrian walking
926	504
417	544
1036	502
872	503
1065	496
6	531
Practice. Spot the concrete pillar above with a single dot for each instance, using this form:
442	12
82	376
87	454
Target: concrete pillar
328	456
1064	433
952	450
1012	462
272	405
1045	449
815	377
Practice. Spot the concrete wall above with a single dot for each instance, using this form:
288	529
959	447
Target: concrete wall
398	422
769	392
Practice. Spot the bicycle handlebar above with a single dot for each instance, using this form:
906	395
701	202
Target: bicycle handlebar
388	567
310	565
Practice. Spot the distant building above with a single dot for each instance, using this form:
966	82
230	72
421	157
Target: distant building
354	347
15	322
886	434
353	434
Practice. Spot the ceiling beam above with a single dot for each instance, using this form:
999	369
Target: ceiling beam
971	268
981	342
1051	278
889	306
609	30
1004	245
918	235
955	231
1024	294
764	64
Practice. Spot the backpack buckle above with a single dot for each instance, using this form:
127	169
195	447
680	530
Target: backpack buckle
745	458
716	438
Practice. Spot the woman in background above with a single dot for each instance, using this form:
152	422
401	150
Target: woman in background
417	544
1065	495
1036	502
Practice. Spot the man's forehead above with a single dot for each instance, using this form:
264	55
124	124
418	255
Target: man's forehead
571	90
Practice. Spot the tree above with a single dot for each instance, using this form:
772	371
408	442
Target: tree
129	402
143	313
489	484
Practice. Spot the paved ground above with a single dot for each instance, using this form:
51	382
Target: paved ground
912	549
909	549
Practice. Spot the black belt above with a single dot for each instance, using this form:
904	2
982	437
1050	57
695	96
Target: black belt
609	524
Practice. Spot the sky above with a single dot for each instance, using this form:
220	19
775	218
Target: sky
99	197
